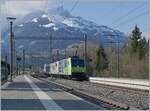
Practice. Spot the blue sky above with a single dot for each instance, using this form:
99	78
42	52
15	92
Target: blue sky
108	13
102	12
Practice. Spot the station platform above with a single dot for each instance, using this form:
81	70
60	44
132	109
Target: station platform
130	83
28	93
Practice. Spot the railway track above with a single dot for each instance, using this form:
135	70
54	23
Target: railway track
126	89
130	98
106	103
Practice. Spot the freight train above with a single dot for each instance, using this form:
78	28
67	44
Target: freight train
71	68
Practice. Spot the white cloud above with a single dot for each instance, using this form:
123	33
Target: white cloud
21	7
34	20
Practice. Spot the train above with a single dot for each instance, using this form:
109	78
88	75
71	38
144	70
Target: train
5	70
69	68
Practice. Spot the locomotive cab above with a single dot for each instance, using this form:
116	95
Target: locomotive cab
78	69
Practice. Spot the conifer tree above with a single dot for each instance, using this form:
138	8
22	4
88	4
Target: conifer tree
138	44
135	38
101	59
142	48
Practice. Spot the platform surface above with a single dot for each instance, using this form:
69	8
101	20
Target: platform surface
28	93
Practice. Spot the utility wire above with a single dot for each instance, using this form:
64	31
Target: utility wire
127	14
6	9
46	38
73	7
147	29
116	7
75	4
133	18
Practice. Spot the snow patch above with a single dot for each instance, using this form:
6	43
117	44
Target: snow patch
55	28
21	25
44	16
70	23
33	42
49	25
34	20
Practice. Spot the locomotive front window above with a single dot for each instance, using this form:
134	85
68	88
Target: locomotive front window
77	62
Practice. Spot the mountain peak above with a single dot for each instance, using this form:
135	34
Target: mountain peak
58	10
60	23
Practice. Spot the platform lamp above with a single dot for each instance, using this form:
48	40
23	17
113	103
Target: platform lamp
11	19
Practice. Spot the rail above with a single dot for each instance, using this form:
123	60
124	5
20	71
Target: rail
129	83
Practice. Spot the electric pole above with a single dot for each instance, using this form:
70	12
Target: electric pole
6	65
31	63
85	52
11	19
65	53
118	60
57	54
23	60
50	49
14	52
76	50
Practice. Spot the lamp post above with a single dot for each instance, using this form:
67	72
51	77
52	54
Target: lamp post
11	19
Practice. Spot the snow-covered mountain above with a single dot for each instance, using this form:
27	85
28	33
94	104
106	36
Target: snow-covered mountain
58	22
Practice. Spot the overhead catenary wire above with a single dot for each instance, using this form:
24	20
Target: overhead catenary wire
127	14
71	10
5	6
112	9
131	19
55	19
46	38
146	30
75	4
53	16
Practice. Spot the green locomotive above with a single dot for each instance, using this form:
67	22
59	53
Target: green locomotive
72	67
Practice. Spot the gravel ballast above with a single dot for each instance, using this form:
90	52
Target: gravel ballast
137	99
